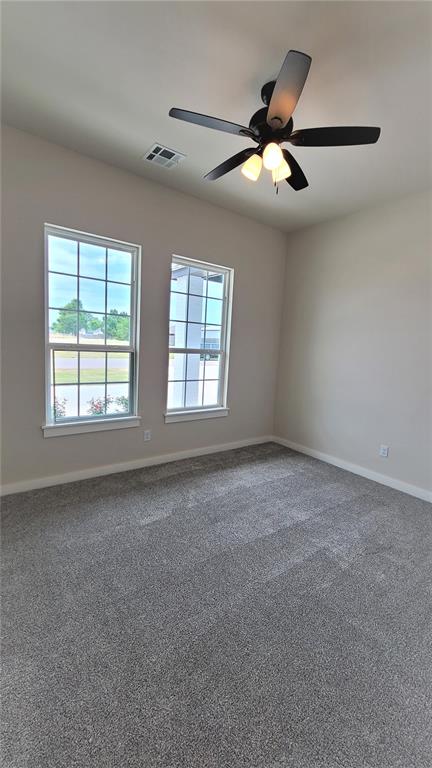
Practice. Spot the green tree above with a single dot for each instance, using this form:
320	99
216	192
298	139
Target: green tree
66	322
117	325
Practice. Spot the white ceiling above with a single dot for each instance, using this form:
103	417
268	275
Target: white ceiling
100	77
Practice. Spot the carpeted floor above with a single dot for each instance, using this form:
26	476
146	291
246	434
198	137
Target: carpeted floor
251	609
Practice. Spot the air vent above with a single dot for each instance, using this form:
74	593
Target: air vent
160	155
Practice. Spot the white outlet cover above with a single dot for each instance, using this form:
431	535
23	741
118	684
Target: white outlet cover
384	451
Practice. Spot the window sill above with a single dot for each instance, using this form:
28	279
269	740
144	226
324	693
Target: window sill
76	428
202	413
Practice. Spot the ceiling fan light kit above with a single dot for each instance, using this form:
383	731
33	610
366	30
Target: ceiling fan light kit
252	168
272	126
283	171
272	156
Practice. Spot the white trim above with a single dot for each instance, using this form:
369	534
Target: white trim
188	261
195	415
109	469
90	237
356	469
229	299
78	427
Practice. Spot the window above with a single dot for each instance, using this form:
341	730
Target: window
91	331
200	306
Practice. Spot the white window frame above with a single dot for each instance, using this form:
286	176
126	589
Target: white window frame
71	426
221	409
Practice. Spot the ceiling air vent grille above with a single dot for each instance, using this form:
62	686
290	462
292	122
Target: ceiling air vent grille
160	155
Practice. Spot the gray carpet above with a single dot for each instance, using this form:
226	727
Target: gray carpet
251	609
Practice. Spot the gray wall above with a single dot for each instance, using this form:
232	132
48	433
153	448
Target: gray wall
43	182
354	348
356	341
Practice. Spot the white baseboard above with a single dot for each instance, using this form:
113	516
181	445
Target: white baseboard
110	469
356	469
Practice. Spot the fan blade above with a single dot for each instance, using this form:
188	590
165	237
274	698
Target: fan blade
210	122
230	164
334	137
288	88
297	180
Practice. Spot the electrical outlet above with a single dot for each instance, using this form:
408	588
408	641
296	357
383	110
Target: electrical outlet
147	435
384	451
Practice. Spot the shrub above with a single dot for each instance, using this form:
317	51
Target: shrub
123	403
99	405
59	408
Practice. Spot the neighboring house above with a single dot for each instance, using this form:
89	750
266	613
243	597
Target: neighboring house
99	334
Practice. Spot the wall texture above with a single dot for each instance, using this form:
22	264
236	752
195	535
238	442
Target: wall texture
43	182
351	362
356	340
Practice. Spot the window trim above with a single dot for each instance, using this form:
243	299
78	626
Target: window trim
77	428
52	428
193	413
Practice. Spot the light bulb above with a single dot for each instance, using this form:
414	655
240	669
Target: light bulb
252	167
272	156
283	171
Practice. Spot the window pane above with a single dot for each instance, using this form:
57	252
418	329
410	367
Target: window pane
195	335
212	367
92	367
65	367
212	337
118	366
92	260
214	311
62	254
177	334
63	326
118	329
195	367
197	306
176	394
215	285
62	291
91	328
119	266
176	366
118	398
65	402
198	281
92	295
119	298
179	278
178	306
92	399
194	394
211	392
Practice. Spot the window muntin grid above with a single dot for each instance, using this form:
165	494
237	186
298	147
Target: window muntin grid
81	332
199	309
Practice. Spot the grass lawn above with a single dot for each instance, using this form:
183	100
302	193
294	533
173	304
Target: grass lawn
91	375
86	353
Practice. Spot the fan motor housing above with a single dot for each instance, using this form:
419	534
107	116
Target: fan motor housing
267	92
264	132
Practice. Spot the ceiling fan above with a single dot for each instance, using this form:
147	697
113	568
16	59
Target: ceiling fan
272	125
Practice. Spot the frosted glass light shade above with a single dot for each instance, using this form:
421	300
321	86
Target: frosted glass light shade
252	167
283	171
272	156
